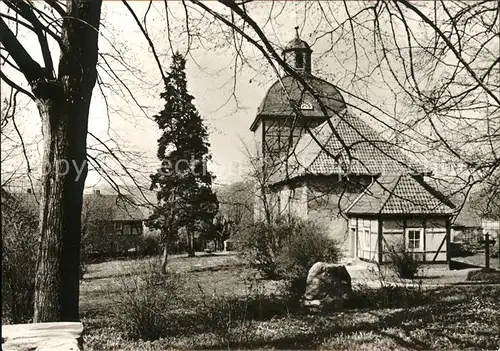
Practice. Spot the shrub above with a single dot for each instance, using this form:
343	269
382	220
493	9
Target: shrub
149	245
404	262
388	296
19	252
495	252
288	248
484	275
307	244
140	309
461	250
261	243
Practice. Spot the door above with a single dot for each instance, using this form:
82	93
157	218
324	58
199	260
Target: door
353	239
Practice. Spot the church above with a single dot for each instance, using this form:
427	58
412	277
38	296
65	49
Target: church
321	161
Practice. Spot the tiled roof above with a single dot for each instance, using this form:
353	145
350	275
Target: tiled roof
297	43
277	100
119	208
369	153
401	194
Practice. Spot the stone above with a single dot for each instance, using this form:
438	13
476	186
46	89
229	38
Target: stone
42	336
327	284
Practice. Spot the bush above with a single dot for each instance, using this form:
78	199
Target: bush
307	244
484	275
461	250
261	244
141	307
288	249
149	245
19	252
388	297
404	263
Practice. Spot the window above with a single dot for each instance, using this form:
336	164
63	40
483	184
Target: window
306	105
118	227
299	60
414	239
367	239
127	229
136	230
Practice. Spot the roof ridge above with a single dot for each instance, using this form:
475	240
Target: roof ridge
436	193
391	193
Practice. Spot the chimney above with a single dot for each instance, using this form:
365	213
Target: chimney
28	191
97	192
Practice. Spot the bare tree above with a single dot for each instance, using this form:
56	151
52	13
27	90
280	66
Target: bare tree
452	114
63	100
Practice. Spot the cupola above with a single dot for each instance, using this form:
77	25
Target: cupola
297	54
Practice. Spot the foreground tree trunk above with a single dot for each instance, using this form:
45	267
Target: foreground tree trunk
64	107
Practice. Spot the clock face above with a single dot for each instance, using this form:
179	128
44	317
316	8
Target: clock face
306	105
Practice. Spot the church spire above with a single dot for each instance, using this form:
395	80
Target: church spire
297	54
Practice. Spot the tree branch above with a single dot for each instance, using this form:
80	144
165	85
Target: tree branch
30	68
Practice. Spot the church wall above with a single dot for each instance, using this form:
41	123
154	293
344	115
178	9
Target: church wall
293	202
327	197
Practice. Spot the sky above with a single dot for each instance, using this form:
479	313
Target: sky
210	81
116	119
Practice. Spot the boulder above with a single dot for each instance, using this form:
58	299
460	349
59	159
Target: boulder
327	284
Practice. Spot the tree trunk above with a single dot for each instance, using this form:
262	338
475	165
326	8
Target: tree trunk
190	243
64	107
164	259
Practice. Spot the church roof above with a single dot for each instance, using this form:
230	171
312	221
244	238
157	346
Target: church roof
276	102
297	44
401	194
369	154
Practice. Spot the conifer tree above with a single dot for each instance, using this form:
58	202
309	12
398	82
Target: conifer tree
184	184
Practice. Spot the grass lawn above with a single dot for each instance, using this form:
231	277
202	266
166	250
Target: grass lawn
445	318
428	275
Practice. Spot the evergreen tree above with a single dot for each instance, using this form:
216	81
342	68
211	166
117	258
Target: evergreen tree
184	185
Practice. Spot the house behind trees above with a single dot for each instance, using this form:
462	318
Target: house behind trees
111	224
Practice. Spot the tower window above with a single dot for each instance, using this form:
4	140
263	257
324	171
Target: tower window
299	60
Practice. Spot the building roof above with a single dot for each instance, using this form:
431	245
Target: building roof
369	153
297	43
276	102
113	207
117	207
403	194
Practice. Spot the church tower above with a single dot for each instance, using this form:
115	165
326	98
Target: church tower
277	127
297	54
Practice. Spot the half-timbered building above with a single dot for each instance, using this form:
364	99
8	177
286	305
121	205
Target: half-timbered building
323	162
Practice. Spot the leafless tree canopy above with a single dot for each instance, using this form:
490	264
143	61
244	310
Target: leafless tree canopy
426	74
